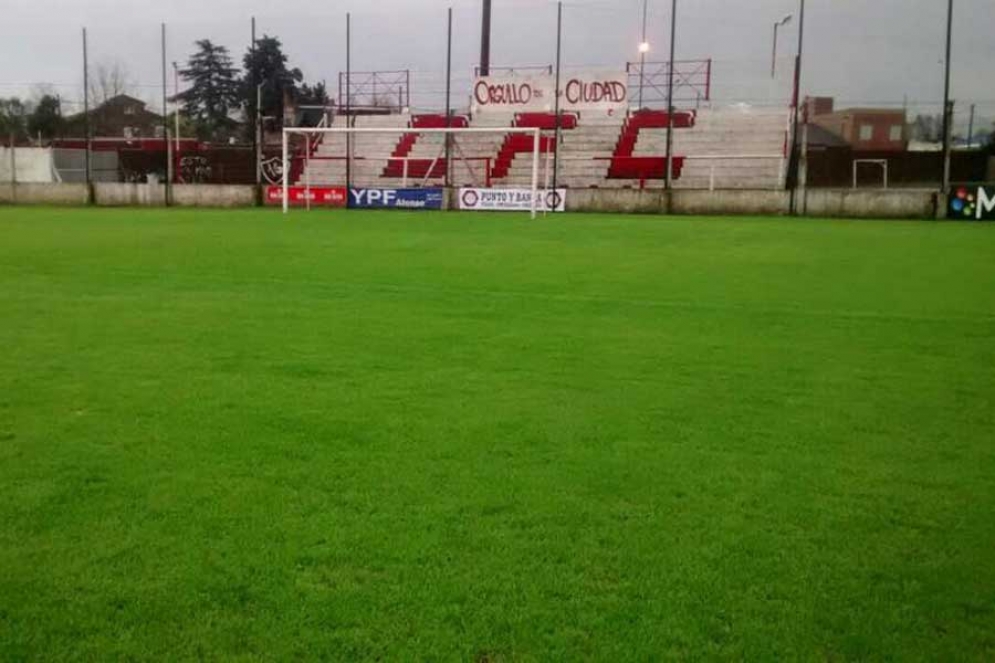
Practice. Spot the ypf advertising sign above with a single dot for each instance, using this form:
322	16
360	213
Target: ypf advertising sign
591	91
429	198
970	203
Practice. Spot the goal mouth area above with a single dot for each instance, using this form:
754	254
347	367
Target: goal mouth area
311	132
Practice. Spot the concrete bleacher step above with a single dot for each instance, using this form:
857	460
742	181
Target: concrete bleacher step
584	152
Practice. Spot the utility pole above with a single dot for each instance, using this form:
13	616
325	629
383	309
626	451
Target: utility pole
947	106
485	41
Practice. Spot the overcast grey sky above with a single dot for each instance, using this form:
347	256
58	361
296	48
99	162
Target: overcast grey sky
863	52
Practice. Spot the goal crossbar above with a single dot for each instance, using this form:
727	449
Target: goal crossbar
536	133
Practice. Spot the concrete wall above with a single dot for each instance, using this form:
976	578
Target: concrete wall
43	194
655	201
115	194
848	203
845	203
760	203
640	201
26	164
214	195
184	195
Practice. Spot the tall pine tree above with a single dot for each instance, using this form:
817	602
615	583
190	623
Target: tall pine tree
46	119
266	64
214	91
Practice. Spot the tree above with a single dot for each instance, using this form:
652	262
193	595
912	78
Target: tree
313	95
214	90
927	128
13	119
266	64
46	119
109	80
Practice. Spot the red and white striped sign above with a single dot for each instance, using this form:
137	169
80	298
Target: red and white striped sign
321	196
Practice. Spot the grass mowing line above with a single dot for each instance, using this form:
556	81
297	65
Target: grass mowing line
342	287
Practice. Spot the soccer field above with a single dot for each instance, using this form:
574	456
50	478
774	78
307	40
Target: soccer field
231	435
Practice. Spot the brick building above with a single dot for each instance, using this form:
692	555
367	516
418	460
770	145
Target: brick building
122	116
863	129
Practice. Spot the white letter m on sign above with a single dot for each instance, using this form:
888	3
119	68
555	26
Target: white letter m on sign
986	205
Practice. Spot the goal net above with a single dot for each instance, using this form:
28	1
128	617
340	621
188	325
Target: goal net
401	157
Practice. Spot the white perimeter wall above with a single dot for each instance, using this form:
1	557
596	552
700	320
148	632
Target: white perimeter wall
840	203
31	164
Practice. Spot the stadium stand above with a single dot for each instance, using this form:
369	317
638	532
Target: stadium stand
713	148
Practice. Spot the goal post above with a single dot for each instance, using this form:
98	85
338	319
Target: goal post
313	136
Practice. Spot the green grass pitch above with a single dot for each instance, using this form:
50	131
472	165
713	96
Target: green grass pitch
227	435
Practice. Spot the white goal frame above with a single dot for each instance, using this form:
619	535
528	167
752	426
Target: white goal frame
882	163
536	133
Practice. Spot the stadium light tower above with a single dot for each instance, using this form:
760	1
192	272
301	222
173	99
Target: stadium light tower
777	26
795	101
176	102
644	48
485	40
947	115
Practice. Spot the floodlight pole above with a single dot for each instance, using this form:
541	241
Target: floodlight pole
946	99
773	58
796	103
286	174
670	95
642	53
257	134
86	120
348	100
970	129
485	40
559	57
165	121
176	105
773	55
449	106
535	171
